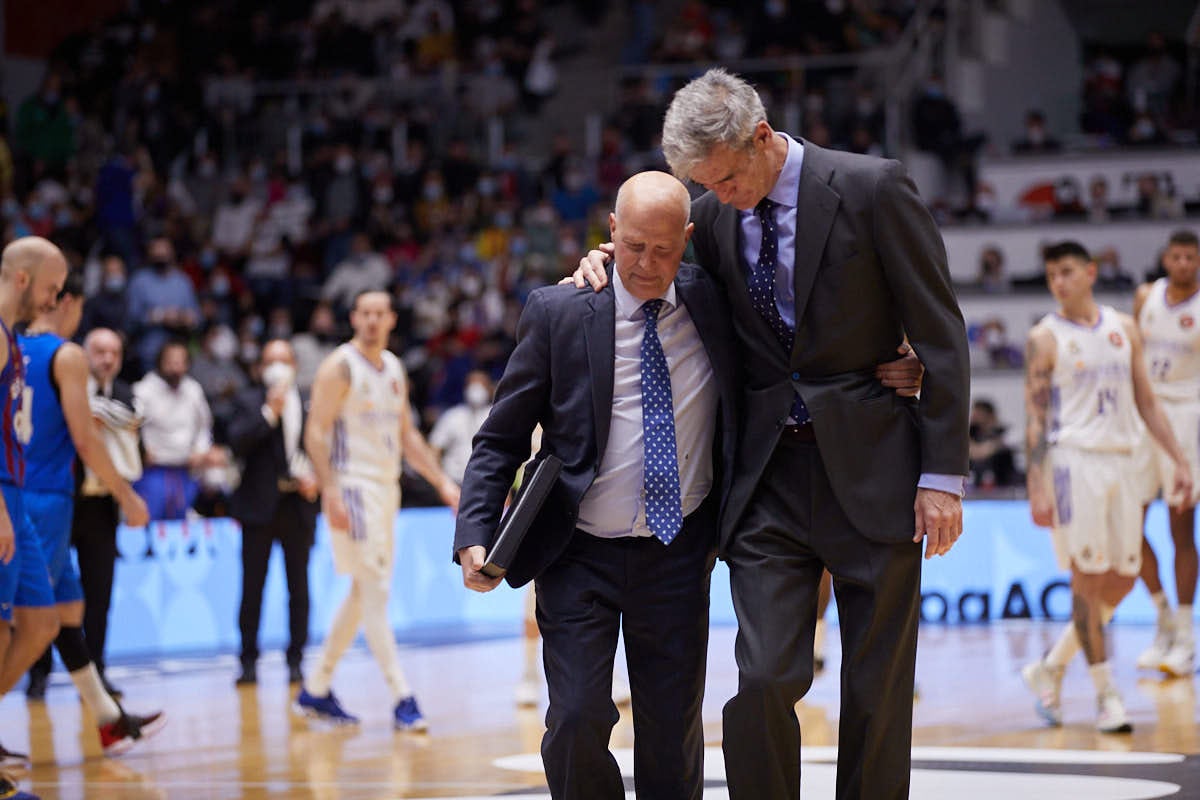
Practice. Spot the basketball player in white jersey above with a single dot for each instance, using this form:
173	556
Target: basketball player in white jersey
1085	385
1168	314
359	427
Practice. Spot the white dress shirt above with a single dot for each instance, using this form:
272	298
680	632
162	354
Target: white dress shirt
615	505
293	420
178	422
452	435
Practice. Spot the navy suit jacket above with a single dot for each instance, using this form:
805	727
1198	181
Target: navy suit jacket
264	461
561	376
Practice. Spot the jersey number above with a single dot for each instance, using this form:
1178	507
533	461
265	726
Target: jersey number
1107	401
1159	368
23	419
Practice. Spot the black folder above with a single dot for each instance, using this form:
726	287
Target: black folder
520	515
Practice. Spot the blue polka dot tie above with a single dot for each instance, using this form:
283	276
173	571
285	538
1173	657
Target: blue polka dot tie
664	515
762	290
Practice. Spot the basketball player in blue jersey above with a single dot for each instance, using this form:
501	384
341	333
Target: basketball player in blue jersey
32	271
56	373
360	425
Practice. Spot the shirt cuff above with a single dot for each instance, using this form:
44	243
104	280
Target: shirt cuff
950	484
269	415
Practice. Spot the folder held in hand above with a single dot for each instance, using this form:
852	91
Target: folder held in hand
520	515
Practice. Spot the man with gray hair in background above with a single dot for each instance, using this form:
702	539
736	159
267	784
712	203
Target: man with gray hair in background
830	261
94	527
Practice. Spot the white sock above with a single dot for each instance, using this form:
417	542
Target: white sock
381	640
341	634
1183	625
1064	649
91	690
1160	602
1102	677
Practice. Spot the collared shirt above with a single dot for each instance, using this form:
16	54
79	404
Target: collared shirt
178	423
785	194
292	420
615	505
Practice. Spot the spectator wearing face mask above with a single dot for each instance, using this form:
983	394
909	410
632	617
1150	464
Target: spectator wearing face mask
176	434
1036	138
363	270
274	502
216	369
107	307
233	225
312	346
456	427
162	302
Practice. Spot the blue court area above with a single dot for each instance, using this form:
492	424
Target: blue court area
178	585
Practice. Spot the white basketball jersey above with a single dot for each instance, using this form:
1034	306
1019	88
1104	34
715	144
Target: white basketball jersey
366	434
1172	336
1091	390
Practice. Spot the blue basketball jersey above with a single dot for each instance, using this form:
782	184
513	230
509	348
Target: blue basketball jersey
49	453
14	428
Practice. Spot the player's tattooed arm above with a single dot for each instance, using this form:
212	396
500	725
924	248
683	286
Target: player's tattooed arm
1039	368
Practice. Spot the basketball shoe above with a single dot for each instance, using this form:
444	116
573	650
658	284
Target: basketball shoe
1110	713
1046	684
9	790
117	737
1164	635
408	717
325	708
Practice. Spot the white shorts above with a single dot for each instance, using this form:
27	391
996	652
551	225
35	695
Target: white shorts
1097	512
1154	468
365	551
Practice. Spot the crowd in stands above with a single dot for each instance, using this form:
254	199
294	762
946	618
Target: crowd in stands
232	171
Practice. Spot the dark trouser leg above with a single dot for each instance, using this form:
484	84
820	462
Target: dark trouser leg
296	542
794	526
774	576
666	642
877	586
256	553
94	534
579	620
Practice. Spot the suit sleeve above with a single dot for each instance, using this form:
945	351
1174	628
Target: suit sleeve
910	248
502	443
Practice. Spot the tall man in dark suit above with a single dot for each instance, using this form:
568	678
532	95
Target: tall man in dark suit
828	259
276	501
641	409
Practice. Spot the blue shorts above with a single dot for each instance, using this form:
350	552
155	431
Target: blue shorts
24	581
50	513
168	491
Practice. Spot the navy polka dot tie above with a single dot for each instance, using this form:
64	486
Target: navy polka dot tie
664	514
762	290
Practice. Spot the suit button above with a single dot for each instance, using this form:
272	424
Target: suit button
795	376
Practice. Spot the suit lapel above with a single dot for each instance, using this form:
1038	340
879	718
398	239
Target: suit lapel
700	308
599	336
816	208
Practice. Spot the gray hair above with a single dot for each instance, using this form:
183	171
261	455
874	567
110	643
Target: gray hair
716	108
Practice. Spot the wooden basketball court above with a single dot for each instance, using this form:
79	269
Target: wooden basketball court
975	733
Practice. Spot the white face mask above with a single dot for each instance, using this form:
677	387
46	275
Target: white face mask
477	395
277	373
